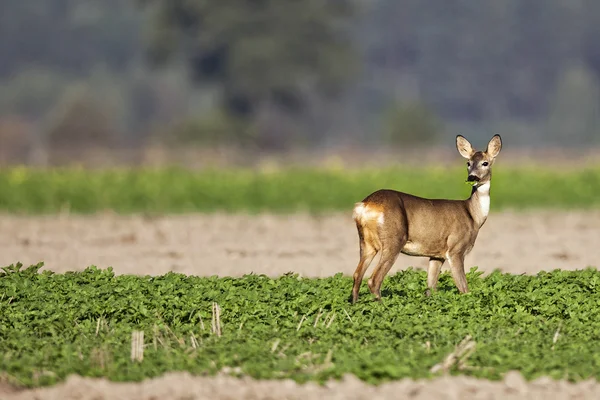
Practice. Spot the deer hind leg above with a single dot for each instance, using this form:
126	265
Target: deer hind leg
457	268
388	258
390	249
368	249
433	273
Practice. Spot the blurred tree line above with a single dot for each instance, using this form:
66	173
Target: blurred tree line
270	74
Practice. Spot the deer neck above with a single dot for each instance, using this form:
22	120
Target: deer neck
479	203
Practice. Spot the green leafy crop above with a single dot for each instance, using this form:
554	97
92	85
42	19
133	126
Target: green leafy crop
172	190
52	325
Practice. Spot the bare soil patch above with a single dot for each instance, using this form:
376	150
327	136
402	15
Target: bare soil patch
180	386
227	245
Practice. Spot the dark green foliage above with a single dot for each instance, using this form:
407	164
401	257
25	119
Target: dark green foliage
411	124
487	66
52	325
287	190
263	57
70	36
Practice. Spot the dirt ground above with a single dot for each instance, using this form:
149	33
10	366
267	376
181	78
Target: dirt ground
223	245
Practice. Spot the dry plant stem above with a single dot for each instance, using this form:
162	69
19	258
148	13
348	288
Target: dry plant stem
330	320
216	319
556	336
274	346
300	323
137	346
458	357
317	318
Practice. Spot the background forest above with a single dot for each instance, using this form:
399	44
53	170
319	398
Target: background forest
125	76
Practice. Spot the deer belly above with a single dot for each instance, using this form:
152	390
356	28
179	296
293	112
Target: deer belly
419	250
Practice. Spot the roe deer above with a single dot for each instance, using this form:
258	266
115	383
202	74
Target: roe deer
393	222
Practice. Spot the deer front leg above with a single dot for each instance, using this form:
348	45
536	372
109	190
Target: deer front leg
458	272
433	273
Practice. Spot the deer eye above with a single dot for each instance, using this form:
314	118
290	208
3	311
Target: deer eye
468	163
485	164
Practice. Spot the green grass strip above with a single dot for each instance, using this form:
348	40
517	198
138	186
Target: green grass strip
290	190
52	325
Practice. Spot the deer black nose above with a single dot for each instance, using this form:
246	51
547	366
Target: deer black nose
473	178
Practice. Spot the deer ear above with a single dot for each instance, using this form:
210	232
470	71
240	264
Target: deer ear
464	147
494	146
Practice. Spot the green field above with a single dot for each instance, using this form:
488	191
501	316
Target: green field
52	325
288	190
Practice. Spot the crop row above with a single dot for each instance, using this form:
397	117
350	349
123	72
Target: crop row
314	190
53	325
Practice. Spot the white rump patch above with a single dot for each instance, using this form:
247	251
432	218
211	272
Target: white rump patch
359	210
362	213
